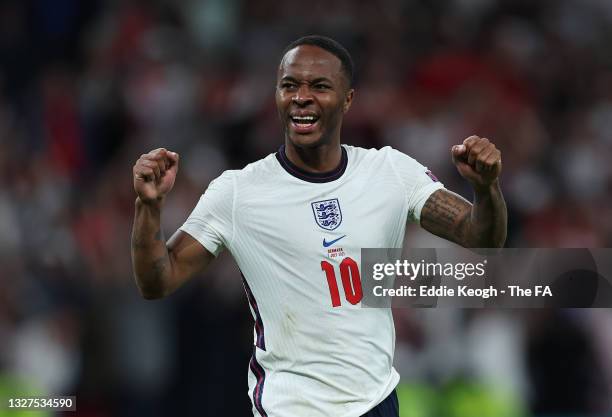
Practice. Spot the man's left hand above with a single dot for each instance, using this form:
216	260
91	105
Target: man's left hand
478	161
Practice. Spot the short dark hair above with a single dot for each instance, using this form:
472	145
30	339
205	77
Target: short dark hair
330	46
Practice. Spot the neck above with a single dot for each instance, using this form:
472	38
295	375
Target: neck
319	159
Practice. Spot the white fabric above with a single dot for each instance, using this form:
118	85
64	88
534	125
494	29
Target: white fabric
319	360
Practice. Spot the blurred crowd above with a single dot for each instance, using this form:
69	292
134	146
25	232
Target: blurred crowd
88	86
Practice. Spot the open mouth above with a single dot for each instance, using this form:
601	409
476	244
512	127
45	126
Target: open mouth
305	123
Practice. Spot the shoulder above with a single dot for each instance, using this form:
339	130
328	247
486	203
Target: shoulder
386	156
224	182
252	173
373	153
264	163
250	182
357	155
401	162
259	168
396	156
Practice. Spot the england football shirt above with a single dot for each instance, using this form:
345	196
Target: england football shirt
297	237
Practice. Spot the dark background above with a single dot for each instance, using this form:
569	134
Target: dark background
88	86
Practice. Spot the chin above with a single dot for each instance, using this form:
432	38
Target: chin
306	141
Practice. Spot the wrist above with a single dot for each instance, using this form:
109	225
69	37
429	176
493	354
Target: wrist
483	189
153	204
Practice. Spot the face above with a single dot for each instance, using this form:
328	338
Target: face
312	95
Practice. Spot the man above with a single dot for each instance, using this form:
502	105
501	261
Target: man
295	222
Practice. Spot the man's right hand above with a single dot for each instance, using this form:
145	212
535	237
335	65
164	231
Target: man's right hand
154	175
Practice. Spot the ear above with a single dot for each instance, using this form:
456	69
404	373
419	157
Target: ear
348	100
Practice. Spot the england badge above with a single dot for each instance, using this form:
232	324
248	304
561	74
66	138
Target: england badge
327	213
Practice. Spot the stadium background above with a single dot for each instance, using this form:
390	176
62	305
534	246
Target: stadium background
87	86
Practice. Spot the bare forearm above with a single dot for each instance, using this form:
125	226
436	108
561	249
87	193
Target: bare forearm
483	223
150	259
488	218
478	225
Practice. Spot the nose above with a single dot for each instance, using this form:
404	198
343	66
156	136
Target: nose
302	96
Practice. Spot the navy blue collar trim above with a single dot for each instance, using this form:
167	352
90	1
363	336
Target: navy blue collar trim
319	177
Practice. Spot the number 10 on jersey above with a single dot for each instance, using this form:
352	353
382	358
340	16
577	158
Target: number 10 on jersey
351	281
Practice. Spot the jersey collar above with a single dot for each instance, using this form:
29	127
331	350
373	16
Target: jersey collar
319	177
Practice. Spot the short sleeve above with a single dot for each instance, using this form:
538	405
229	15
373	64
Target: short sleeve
418	182
210	222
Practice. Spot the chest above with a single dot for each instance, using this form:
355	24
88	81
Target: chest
323	218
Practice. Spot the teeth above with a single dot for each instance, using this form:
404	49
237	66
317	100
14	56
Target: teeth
304	118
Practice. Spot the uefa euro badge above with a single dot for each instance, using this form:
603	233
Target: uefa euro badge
327	213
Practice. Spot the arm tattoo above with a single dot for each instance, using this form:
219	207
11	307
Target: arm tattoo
139	242
447	215
159	266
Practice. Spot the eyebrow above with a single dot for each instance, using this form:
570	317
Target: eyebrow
315	81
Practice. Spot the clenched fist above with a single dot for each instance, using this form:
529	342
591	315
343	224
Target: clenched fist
154	174
478	161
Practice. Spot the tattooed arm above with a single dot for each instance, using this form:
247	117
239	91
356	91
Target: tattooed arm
478	225
452	217
160	267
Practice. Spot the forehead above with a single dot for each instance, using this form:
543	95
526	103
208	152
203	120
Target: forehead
310	62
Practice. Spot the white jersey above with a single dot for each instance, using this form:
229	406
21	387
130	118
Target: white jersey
297	237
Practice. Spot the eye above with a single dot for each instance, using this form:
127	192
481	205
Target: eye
320	86
287	85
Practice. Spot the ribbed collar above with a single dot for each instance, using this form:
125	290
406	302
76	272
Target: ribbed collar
319	177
